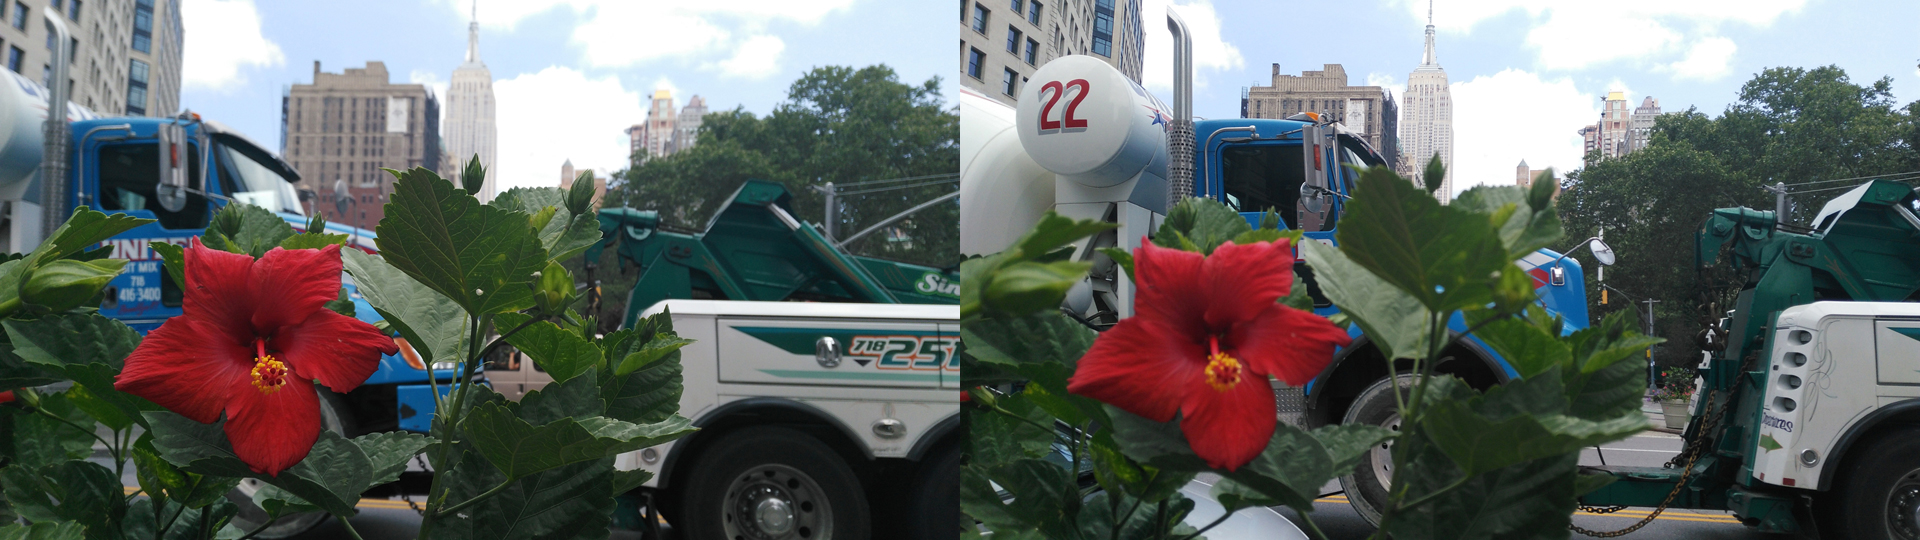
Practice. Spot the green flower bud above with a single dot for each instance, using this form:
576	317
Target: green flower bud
66	284
553	291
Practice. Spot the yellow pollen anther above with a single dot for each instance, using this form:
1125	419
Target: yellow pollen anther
1223	372
269	375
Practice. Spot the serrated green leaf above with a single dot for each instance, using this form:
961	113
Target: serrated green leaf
341	304
520	449
85	347
562	354
313	240
1120	257
625	481
1528	348
83	230
565	238
654	350
1438	254
1392	319
574	501
647	395
1037	338
1026	287
1203	224
577	397
480	256
1589	483
388	453
1042	492
172	257
77	491
99	408
432	323
246	229
61	530
1478	444
995	438
39	441
332	476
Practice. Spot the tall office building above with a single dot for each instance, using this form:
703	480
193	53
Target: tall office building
1620	131
470	128
1426	128
1002	42
344	127
1366	110
126	58
660	120
686	129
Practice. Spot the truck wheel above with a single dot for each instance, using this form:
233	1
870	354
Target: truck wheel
333	417
1878	495
773	483
933	511
1367	486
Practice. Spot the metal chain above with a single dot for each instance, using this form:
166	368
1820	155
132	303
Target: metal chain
1693	453
420	458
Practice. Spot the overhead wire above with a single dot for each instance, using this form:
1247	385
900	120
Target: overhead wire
892	188
1907	173
895	180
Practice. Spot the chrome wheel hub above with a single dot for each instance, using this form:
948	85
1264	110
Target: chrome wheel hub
1382	454
776	502
1903	507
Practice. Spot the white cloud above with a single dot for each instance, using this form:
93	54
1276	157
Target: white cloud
222	37
538	132
664	83
1574	35
621	33
1709	60
755	59
1515	115
1210	52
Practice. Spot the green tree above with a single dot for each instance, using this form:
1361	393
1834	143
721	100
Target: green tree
840	125
1790	125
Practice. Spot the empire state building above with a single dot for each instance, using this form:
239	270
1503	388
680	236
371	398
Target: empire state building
1426	122
469	127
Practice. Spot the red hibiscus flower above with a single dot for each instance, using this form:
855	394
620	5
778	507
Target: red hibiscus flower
1206	333
252	338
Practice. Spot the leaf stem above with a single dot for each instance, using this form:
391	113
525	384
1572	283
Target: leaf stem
1442	491
1312	527
476	498
1216	522
96	436
348	525
262	527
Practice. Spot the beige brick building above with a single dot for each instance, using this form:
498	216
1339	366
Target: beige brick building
126	57
1002	42
1365	109
344	127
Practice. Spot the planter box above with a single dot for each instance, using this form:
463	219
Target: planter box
1677	413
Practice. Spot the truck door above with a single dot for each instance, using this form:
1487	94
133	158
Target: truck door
123	177
950	373
832	352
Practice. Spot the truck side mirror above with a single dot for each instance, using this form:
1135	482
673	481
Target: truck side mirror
1601	252
171	189
1313	141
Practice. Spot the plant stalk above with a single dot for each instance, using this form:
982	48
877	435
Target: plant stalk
476	498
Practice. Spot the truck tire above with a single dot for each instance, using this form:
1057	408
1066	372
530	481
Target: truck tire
334	416
1878	493
933	507
1367	485
773	483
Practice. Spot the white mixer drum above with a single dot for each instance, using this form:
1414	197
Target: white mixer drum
1085	121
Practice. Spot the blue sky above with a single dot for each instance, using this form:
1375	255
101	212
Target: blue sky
1526	74
569	75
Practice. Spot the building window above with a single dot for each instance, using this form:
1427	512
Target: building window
975	59
1007	84
143	26
1016	6
55	3
1033	51
1033	12
136	88
20	16
1013	40
1103	27
980	14
73	10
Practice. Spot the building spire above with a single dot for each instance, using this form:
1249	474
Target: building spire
473	35
1430	59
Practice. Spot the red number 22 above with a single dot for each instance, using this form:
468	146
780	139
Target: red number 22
1067	118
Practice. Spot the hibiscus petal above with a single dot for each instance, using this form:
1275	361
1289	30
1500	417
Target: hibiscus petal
1243	280
1141	366
1289	344
271	432
217	289
1228	429
299	282
178	366
1169	286
338	350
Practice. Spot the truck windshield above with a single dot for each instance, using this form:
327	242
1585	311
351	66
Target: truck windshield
1262	177
252	182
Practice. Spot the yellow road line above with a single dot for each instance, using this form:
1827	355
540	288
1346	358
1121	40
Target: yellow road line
1636	514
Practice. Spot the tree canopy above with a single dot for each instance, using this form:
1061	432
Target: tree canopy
1789	125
